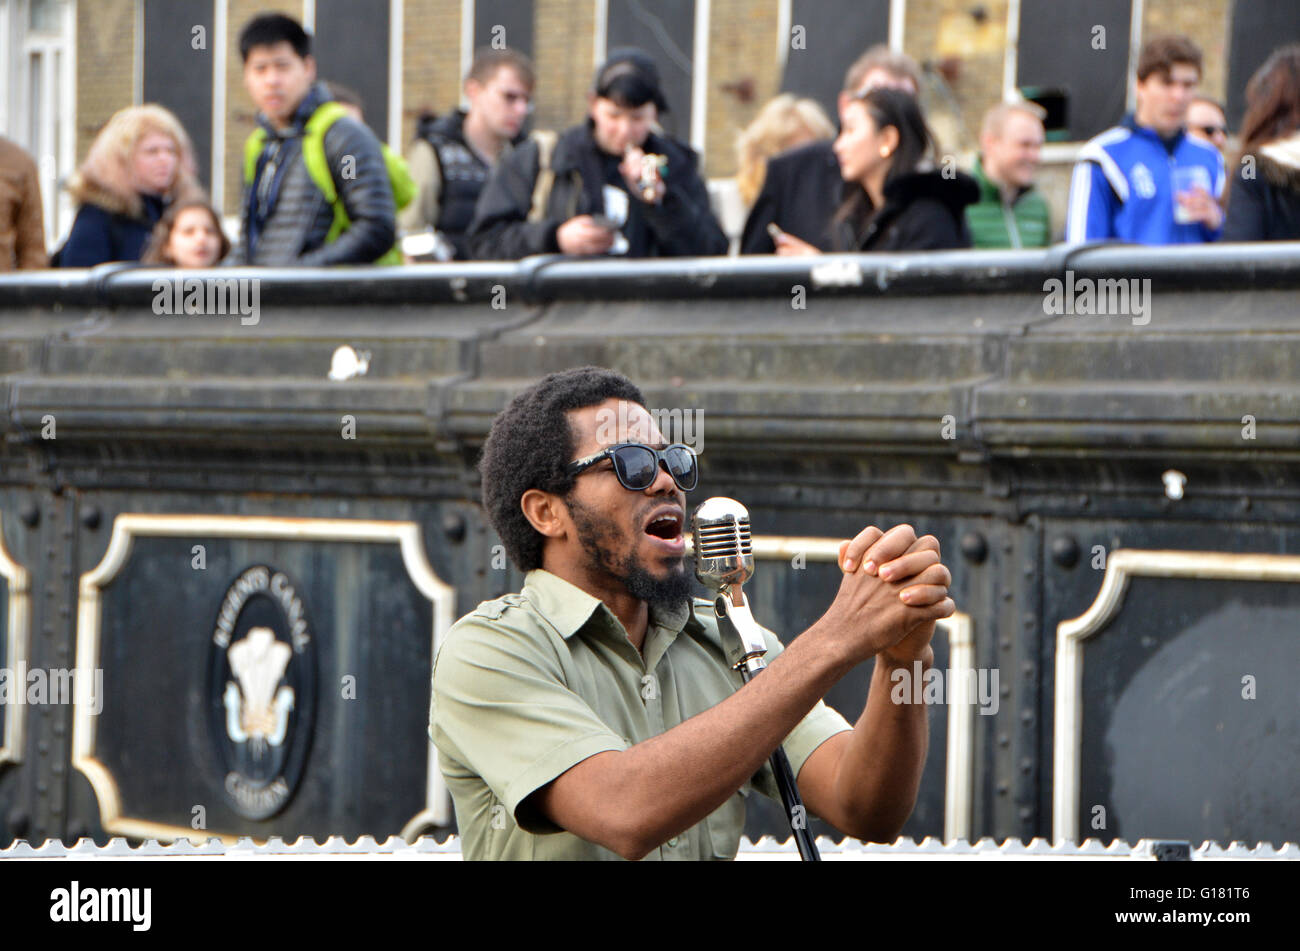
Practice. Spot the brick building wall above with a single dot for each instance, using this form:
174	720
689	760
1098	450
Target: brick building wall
962	44
966	55
430	60
105	65
743	75
564	41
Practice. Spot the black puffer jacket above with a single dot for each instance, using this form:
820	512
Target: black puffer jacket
1266	206
681	224
299	218
923	211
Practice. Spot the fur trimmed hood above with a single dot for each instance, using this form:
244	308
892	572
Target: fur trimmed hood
1279	162
87	190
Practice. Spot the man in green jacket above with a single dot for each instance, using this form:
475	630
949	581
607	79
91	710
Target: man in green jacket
1010	213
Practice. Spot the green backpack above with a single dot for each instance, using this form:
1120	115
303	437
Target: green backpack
313	155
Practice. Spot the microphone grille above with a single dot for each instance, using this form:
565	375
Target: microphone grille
724	549
725	539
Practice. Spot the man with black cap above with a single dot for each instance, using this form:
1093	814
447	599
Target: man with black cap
608	186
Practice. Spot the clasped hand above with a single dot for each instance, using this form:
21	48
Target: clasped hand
893	589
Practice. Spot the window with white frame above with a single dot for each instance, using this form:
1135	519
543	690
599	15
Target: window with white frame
37	100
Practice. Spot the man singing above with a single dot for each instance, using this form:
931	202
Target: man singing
595	714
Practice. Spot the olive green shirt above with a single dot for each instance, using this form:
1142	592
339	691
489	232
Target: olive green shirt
533	683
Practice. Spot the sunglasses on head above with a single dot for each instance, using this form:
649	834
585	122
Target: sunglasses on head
637	465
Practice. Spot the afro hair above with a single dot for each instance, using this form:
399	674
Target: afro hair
530	444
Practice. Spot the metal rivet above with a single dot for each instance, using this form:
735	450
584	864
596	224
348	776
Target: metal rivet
453	526
1065	551
974	547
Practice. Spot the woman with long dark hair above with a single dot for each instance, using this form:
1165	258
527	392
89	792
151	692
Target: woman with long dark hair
1264	201
895	197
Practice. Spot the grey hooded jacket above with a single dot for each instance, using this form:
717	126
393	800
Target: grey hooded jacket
294	231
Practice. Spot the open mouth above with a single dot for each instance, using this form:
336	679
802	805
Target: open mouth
666	525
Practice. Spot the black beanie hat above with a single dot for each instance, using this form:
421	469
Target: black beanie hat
630	61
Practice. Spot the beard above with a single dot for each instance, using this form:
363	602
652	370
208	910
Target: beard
598	539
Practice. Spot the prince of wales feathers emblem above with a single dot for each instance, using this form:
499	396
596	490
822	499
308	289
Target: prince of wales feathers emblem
253	714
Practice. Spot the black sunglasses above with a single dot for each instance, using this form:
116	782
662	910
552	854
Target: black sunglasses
637	465
1210	130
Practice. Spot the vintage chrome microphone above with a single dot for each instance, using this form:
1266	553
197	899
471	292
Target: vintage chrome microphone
724	561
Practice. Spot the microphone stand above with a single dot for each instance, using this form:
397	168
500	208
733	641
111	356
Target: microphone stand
733	614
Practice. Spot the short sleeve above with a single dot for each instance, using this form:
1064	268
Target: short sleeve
501	707
819	725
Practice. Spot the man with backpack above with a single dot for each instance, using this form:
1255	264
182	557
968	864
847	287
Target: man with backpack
610	186
317	187
452	157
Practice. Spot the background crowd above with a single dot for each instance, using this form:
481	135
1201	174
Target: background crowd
320	188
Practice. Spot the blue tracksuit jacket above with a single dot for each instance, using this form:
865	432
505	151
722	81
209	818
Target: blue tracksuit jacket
1122	187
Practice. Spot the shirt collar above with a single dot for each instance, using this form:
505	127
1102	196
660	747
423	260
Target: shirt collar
1130	122
570	609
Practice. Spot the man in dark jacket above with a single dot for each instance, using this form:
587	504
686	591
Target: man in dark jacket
287	219
607	186
452	157
802	187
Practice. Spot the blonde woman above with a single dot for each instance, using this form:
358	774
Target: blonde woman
139	163
784	123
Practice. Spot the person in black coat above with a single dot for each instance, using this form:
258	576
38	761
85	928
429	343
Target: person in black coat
802	187
801	190
893	198
1264	200
605	192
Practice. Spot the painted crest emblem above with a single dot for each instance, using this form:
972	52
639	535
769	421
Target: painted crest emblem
262	691
1143	182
